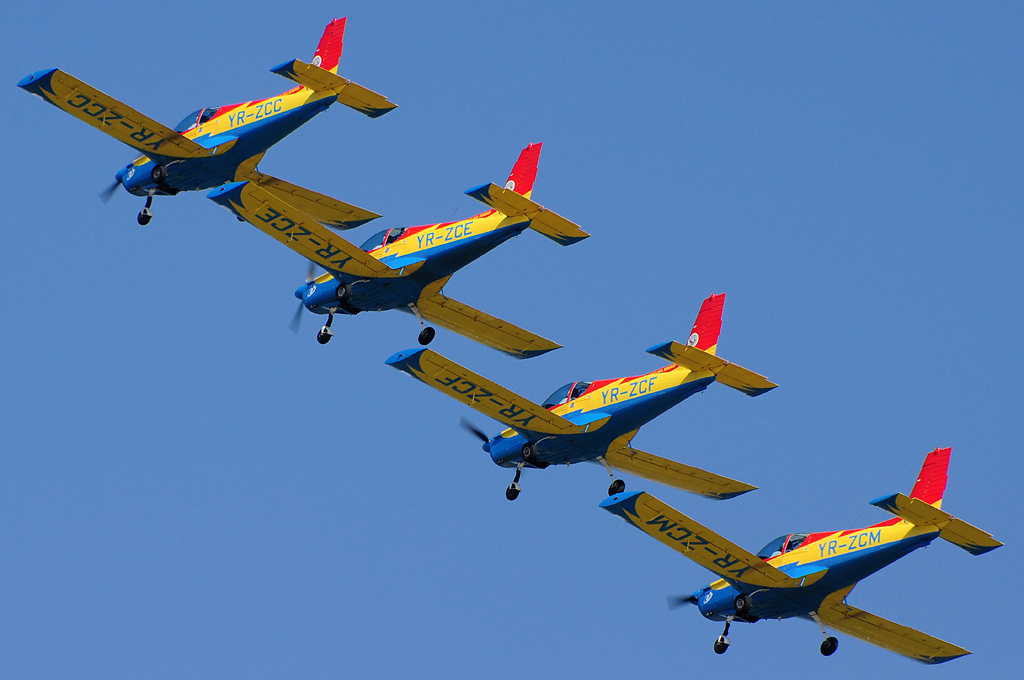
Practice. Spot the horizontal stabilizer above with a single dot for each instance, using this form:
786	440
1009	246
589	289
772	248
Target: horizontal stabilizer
270	214
118	120
729	374
326	210
350	94
956	531
479	393
542	220
700	544
880	632
675	474
483	328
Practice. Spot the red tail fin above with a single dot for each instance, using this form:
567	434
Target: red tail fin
524	172
931	483
328	52
708	324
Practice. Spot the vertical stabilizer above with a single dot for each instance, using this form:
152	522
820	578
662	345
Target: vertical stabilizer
931	482
524	172
708	325
328	52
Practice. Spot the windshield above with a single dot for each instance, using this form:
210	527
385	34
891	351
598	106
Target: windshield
565	393
782	544
196	117
795	541
374	241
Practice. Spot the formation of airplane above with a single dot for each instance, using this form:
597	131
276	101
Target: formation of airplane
802	575
810	575
596	421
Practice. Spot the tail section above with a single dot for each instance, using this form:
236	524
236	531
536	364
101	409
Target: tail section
524	172
328	52
922	507
708	325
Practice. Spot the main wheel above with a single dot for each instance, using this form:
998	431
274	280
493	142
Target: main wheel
426	335
829	646
343	292
144	219
512	492
529	452
742	603
159	174
617	486
721	644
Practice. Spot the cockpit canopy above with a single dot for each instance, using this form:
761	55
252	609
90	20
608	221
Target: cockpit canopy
781	545
195	118
382	238
565	393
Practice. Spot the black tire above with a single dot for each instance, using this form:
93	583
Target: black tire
829	646
159	174
529	452
742	603
511	493
343	292
323	338
617	486
426	335
144	219
720	647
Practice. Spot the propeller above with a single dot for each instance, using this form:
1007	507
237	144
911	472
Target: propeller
469	427
297	319
675	601
108	193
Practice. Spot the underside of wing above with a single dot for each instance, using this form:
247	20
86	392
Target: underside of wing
886	634
300	232
350	94
700	544
675	474
487	397
322	208
483	328
113	117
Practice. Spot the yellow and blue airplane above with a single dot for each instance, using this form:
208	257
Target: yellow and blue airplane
220	144
407	269
597	421
810	575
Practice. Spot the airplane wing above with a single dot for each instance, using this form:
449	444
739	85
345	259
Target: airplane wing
542	220
675	474
483	328
350	94
732	375
699	543
324	209
300	232
479	393
885	634
118	120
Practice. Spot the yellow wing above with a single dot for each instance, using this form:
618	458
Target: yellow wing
675	474
350	94
479	393
885	634
729	374
700	544
542	220
300	232
118	120
324	209
482	327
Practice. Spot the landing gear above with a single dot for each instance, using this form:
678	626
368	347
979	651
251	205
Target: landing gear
427	334
343	292
830	645
529	453
617	485
325	334
742	604
146	215
159	174
512	492
722	643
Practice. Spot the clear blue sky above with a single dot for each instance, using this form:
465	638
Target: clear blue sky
190	490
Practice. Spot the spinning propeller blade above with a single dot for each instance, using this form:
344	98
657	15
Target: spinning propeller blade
108	193
297	319
675	601
466	425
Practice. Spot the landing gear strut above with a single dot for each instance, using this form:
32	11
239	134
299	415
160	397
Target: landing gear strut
617	485
427	334
722	643
830	644
325	334
512	492
146	215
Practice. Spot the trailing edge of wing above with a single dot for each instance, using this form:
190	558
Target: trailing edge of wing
113	117
483	328
300	232
886	634
479	393
700	544
675	474
326	210
350	94
542	220
729	374
956	531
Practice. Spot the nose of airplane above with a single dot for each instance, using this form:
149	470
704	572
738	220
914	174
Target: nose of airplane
300	292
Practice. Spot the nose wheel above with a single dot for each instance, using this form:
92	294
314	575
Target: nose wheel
325	334
512	492
146	215
722	643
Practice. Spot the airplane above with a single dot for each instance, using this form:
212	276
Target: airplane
810	575
597	421
407	269
216	145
